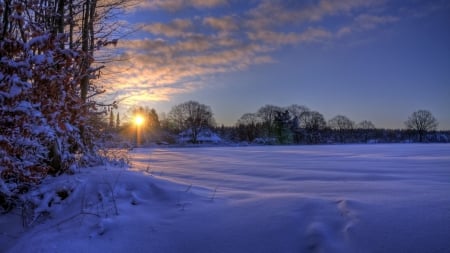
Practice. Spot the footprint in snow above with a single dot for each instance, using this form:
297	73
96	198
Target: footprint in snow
347	213
315	237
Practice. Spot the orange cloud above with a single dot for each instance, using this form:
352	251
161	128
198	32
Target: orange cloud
226	23
176	28
178	56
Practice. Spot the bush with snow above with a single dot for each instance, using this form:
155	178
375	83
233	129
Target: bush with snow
42	110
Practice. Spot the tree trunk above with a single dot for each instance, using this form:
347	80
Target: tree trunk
60	18
6	13
55	158
84	84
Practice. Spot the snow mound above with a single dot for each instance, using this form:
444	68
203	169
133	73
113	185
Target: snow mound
98	206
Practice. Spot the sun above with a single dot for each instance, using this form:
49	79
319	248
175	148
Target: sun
138	120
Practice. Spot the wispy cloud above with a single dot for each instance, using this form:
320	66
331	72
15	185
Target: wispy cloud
272	13
177	56
227	23
163	69
277	38
366	21
176	28
176	5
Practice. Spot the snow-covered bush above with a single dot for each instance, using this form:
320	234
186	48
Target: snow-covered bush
41	109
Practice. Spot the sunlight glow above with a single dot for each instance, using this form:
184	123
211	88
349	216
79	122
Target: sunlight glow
138	120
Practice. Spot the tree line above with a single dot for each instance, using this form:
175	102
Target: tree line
270	124
296	124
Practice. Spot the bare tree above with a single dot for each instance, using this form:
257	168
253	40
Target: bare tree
249	119
366	129
340	123
312	123
365	125
192	117
248	126
313	120
297	112
267	114
422	121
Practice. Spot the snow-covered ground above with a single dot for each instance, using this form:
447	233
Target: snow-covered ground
342	198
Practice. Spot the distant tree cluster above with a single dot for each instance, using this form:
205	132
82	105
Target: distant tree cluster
187	119
286	125
294	124
305	126
297	124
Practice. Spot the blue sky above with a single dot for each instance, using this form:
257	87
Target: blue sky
369	60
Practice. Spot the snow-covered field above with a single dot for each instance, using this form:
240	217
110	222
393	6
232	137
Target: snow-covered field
343	198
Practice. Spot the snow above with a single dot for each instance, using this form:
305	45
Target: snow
39	40
204	136
38	59
23	106
331	198
14	91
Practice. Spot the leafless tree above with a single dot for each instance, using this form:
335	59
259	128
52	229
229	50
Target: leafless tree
249	119
422	121
312	123
267	114
297	112
192	117
340	123
366	129
365	125
313	120
248	126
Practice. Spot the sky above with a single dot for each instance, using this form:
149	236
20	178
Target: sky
377	60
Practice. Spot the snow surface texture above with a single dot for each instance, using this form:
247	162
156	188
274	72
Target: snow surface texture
343	198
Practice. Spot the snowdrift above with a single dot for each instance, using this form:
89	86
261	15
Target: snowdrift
343	198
